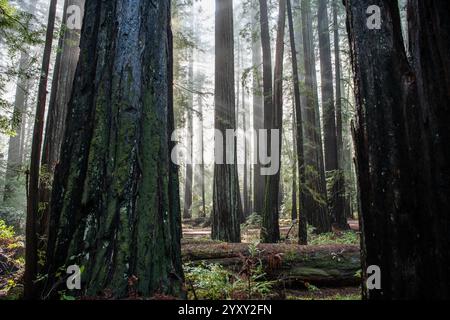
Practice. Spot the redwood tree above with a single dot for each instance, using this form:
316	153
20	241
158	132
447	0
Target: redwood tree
258	105
270	232
401	139
31	252
316	199
227	208
63	76
336	200
115	203
303	236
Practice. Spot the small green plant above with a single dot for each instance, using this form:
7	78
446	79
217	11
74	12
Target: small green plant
208	282
213	282
66	297
6	232
253	221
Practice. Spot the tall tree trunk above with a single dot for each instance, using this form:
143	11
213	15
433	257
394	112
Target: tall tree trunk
189	178
316	199
115	204
341	208
31	252
246	173
16	146
267	66
298	132
63	76
238	113
294	207
399	112
202	165
430	50
270	232
258	108
336	203
15	160
226	195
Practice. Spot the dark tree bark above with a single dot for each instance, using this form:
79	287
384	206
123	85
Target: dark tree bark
31	252
298	130
316	199
226	194
430	50
400	144
63	76
115	204
270	232
258	106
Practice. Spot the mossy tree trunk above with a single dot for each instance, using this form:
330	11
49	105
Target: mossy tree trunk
115	207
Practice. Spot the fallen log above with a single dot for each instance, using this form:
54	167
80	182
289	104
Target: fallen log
289	265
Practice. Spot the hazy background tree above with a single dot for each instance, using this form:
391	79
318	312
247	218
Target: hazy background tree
227	208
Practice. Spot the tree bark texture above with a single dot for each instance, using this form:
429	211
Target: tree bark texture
115	204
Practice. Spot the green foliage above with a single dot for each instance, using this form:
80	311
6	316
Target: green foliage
253	221
18	31
66	297
12	262
214	282
14	217
345	237
208	282
6	232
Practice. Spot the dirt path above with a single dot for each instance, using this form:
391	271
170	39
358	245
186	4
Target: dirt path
190	232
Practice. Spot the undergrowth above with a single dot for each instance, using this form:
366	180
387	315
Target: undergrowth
209	281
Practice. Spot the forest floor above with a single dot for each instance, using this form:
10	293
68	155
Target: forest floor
249	270
314	278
